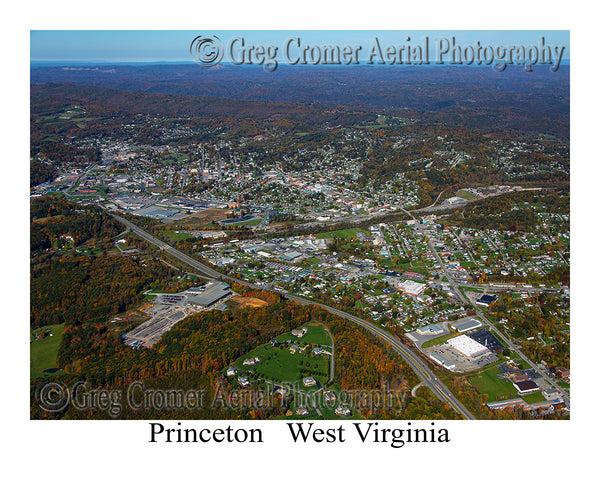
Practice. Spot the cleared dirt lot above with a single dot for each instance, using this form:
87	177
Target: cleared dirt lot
238	301
204	217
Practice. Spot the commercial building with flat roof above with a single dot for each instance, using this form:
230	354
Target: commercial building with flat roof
411	287
486	338
526	387
430	330
486	300
290	256
467	346
155	212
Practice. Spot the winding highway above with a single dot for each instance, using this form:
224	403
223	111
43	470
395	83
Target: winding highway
426	375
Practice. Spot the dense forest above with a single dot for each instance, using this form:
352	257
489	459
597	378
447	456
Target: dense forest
53	219
40	172
90	288
73	278
238	114
60	152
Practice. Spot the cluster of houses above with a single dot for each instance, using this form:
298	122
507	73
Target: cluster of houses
330	396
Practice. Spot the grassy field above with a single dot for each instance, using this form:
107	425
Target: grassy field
534	397
279	365
175	235
316	334
496	388
42	352
346	233
310	262
466	195
499	388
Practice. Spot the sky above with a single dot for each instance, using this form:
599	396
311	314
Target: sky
132	46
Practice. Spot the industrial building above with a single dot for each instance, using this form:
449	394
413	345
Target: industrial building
155	212
510	403
486	338
522	404
466	324
291	256
526	387
170	308
208	294
443	361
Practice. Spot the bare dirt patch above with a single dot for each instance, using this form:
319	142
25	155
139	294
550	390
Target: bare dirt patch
136	314
239	301
204	217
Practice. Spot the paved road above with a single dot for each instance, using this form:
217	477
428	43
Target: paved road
428	378
332	367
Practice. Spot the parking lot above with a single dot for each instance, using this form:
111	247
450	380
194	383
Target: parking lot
463	363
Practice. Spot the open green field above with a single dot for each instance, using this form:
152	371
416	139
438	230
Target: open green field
250	223
466	195
346	233
499	388
415	268
310	261
316	334
175	235
279	365
534	397
496	388
43	352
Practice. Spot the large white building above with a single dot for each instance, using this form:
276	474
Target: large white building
411	287
467	346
